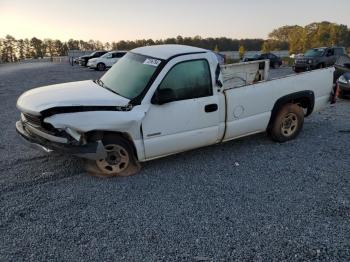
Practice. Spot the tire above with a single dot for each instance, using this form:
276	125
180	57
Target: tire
120	160
101	67
287	124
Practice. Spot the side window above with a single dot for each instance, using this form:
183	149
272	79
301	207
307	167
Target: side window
189	80
338	51
330	52
119	55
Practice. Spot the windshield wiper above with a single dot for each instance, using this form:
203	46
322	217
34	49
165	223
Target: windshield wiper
100	83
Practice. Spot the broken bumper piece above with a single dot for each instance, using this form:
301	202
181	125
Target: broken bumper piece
49	143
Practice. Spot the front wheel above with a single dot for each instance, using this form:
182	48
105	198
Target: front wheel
288	123
101	67
120	159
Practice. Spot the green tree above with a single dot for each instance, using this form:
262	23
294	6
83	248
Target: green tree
312	35
216	49
21	48
241	51
9	49
38	50
266	48
27	48
74	44
49	45
114	46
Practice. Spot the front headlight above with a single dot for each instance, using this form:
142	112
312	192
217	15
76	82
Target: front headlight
309	61
343	80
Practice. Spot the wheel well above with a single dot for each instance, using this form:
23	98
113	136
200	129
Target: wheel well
305	99
98	135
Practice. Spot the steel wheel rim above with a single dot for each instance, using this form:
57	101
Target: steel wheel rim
100	67
116	161
289	124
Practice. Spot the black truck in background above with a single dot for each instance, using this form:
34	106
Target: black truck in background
83	60
316	58
275	61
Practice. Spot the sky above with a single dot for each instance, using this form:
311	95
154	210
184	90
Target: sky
108	20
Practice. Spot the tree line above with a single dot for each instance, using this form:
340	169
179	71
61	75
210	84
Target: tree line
12	49
300	38
294	38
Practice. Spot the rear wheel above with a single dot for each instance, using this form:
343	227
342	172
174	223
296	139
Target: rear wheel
120	159
101	67
288	123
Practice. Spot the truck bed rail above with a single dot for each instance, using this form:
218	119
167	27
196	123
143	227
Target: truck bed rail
245	73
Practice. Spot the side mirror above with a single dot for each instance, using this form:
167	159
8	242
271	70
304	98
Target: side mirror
219	83
217	75
163	96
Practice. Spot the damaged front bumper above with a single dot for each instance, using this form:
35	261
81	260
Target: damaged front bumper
48	143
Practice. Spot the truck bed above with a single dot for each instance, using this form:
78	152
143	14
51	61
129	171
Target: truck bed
249	107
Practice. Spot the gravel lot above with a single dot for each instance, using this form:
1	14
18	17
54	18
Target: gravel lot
250	199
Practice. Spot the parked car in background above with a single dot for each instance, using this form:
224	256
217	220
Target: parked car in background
294	56
344	85
275	61
105	61
342	75
316	58
83	60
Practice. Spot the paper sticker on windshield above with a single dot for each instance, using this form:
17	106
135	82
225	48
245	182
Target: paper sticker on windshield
152	62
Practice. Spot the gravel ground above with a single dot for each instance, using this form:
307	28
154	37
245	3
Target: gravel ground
245	200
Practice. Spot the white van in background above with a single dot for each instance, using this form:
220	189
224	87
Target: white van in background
105	61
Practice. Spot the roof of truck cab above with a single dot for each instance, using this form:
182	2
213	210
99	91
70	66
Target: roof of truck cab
167	51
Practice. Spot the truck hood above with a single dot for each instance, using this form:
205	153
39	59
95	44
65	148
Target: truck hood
72	94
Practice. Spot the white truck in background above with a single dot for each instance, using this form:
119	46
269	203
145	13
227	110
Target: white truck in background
162	100
105	61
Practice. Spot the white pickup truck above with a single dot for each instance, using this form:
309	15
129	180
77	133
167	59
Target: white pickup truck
162	100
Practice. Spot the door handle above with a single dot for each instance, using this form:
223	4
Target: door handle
211	108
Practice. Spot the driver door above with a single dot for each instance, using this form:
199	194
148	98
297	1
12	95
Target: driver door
188	117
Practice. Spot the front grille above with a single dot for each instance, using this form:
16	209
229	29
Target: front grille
38	123
33	120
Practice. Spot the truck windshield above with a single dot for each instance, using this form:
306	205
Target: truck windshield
314	52
130	75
